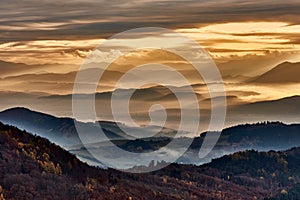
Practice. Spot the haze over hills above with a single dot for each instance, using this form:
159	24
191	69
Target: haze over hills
62	131
9	68
64	77
230	70
19	69
14	73
247	101
263	137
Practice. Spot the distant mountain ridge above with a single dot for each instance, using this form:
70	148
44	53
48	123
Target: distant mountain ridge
62	131
286	72
287	106
261	136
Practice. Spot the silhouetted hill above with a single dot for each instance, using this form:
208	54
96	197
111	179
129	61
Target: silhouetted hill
32	167
283	73
261	136
279	107
62	131
8	68
63	77
271	135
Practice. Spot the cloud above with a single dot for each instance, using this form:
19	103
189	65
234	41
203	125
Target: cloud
242	38
47	51
35	31
222	40
79	19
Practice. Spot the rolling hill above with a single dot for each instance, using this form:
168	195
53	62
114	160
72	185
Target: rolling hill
283	109
62	131
283	73
260	136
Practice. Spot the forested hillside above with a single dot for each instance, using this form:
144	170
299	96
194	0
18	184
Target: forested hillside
31	167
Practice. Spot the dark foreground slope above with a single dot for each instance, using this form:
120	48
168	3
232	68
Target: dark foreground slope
31	167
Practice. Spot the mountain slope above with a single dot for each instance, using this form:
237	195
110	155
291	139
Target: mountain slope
8	68
260	136
288	106
264	136
283	73
62	131
31	167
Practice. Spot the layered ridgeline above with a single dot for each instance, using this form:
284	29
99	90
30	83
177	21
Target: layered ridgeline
283	73
62	131
32	167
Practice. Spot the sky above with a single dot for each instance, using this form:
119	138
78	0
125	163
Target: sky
43	43
35	31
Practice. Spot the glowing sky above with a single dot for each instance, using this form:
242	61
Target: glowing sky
223	41
36	32
43	43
